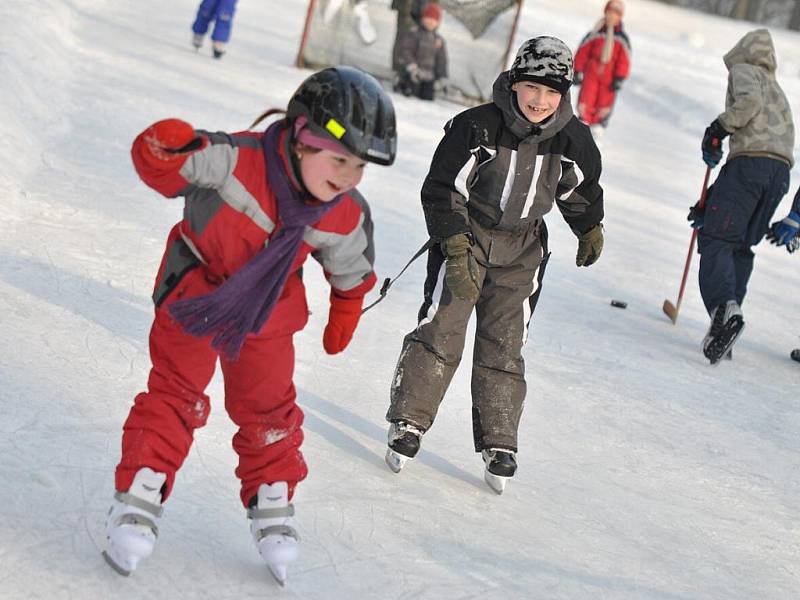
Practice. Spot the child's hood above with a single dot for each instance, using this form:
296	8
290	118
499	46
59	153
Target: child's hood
503	98
755	48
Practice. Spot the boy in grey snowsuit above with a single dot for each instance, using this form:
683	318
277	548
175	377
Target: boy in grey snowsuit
498	170
749	188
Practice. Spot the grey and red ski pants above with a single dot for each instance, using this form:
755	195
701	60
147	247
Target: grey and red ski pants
259	393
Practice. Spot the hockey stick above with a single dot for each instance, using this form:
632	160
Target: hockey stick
671	310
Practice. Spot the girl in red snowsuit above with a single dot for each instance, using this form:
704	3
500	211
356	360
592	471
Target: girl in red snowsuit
602	63
230	288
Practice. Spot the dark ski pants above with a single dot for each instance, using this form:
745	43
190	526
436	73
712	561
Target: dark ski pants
221	12
424	90
432	352
738	211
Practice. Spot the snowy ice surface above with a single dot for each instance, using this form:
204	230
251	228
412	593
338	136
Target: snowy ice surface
644	473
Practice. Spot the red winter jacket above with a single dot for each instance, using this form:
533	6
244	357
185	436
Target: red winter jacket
230	213
589	54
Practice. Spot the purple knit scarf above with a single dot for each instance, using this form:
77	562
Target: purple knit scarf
243	303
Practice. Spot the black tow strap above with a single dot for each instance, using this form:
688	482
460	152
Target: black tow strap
387	283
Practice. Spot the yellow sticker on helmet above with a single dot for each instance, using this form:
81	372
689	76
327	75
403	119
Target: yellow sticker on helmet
335	128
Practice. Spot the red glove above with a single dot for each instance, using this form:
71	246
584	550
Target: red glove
342	321
167	142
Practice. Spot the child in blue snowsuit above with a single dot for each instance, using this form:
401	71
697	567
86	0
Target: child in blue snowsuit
221	12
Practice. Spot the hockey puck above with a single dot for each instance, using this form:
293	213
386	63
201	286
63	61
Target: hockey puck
619	304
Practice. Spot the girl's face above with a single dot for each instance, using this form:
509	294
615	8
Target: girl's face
326	174
536	101
612	18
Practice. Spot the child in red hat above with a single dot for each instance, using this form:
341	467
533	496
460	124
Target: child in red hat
422	56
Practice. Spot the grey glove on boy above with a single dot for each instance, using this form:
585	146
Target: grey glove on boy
590	245
461	268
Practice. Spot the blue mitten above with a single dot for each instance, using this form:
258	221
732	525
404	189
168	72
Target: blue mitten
783	232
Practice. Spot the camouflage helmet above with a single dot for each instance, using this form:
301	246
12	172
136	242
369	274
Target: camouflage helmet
351	108
546	60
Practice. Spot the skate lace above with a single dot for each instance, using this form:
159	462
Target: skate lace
496	455
402	429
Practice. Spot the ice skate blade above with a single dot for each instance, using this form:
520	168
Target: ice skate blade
496	482
278	573
720	346
114	565
395	461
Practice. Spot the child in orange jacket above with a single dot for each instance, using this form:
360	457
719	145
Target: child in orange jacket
602	64
230	288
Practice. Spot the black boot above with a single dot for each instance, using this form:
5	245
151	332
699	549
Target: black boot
500	467
404	441
500	462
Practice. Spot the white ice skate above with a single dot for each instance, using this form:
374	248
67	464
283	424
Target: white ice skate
273	529
500	467
331	10
131	529
364	26
404	440
197	40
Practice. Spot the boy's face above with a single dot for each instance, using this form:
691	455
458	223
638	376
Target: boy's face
536	101
429	23
612	18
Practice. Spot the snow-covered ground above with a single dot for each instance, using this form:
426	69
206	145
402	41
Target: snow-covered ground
644	473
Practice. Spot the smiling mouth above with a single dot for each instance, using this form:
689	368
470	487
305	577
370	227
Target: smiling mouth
335	187
537	110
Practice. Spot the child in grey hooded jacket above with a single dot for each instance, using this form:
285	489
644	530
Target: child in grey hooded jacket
750	186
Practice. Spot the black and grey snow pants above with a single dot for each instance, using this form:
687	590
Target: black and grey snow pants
511	266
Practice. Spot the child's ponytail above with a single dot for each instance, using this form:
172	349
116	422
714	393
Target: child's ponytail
267	113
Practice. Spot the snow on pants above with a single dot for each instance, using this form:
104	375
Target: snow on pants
739	208
595	100
432	352
259	396
221	12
